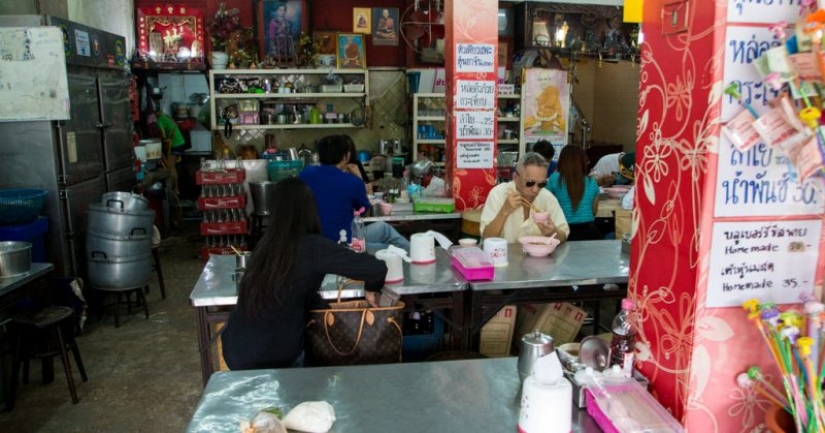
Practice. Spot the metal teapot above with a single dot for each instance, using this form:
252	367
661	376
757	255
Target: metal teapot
533	346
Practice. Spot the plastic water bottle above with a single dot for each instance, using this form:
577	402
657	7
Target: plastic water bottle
359	241
624	339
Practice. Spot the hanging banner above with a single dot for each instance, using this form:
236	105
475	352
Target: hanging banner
546	105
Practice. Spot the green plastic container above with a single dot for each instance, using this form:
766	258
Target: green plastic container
434	205
280	170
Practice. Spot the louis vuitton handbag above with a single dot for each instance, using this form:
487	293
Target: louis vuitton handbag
353	333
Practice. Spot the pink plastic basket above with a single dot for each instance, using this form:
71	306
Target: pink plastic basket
637	406
473	264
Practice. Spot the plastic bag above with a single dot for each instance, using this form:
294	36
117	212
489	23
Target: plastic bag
311	417
265	421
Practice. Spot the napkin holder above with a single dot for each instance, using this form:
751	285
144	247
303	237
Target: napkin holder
472	263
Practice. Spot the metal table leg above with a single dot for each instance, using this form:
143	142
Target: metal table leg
204	346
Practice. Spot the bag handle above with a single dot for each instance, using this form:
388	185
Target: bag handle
342	283
357	340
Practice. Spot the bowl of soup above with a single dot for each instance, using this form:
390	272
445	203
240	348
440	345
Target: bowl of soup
538	246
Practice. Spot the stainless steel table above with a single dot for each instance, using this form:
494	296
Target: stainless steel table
435	286
408	222
575	271
449	396
8	285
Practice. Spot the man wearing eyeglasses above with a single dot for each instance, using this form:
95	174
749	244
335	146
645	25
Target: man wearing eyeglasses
510	207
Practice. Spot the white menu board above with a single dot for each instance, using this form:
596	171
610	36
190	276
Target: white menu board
769	12
475	58
475	94
772	261
743	45
474	154
757	182
474	124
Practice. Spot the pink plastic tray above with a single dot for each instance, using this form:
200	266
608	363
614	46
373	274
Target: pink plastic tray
632	400
473	264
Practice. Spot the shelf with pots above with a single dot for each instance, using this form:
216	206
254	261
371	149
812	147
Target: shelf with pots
262	99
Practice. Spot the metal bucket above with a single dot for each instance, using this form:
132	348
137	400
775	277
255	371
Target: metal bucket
107	272
15	258
311	159
263	194
112	223
118	248
125	201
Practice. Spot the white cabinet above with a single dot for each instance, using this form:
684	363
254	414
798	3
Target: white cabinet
429	125
262	102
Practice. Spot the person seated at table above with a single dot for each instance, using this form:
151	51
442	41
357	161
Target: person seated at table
546	149
615	169
577	193
282	281
339	191
509	210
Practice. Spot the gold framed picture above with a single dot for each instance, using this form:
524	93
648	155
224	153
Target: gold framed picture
351	51
361	20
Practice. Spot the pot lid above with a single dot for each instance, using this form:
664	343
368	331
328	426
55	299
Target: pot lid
594	352
536	338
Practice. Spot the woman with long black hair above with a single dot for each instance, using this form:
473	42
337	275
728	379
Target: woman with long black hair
282	281
577	193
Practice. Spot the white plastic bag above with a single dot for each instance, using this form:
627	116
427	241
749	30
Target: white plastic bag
311	417
263	422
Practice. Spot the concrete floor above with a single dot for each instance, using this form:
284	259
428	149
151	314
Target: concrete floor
143	376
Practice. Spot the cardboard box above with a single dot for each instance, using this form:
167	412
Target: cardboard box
497	333
560	320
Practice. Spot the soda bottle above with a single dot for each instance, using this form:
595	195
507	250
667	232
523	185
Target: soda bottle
624	339
358	241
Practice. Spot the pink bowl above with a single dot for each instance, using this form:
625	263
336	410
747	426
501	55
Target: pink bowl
617	191
386	208
541	217
538	246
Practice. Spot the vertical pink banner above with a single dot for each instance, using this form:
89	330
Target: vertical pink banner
471	28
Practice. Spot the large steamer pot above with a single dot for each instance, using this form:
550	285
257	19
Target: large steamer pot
112	223
15	258
107	272
125	201
263	194
118	248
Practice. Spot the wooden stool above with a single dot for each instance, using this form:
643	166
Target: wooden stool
49	320
128	292
156	267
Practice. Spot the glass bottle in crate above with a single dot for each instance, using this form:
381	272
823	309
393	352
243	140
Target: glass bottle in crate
622	346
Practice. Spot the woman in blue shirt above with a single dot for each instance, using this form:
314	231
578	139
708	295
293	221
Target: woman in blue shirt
577	193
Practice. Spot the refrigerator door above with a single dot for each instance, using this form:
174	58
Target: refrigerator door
82	157
116	121
77	200
120	180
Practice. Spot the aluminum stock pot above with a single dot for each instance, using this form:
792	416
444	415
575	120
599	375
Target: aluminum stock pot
125	201
15	258
112	223
106	272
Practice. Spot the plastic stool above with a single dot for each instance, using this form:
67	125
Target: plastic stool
49	320
128	291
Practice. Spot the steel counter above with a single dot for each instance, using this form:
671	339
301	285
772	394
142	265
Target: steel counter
447	396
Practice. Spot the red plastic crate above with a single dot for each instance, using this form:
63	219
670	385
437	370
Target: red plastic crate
220	177
224	228
219	251
212	203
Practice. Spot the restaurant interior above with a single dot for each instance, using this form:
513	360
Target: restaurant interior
620	332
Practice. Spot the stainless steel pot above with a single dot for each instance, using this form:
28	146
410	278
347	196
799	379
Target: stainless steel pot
533	346
125	201
107	272
15	258
112	223
118	248
311	159
263	194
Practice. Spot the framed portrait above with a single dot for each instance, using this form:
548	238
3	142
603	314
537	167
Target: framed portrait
280	21
170	33
326	43
350	51
385	26
361	20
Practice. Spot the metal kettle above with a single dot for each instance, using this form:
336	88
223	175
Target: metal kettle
534	345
